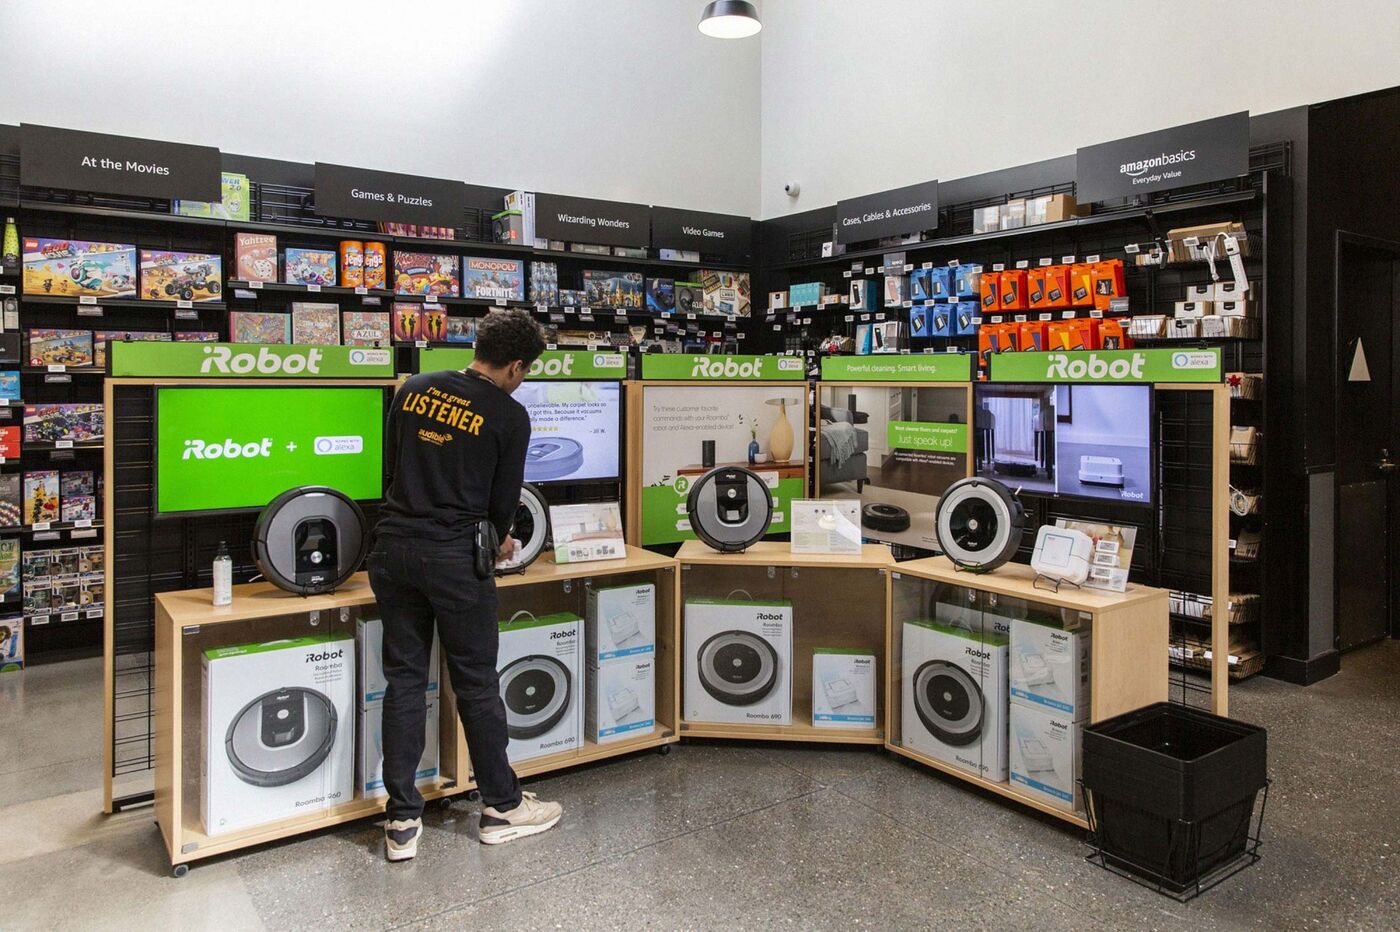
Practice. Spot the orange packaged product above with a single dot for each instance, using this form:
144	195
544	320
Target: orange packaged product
1081	285
1113	335
1035	288
991	292
1032	336
1056	286
1067	335
1107	278
352	263
1013	290
376	258
994	338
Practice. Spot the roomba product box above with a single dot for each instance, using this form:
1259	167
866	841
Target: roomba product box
953	696
1045	755
279	730
621	620
371	772
1050	668
738	661
370	635
620	646
843	688
539	664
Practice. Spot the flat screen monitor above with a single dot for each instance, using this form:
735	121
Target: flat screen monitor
236	449
575	430
1084	441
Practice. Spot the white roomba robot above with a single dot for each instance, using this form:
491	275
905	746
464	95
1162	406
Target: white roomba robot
1101	470
738	667
309	539
530	530
281	736
729	508
948	702
535	690
979	524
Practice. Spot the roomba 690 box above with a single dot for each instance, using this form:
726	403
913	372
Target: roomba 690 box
953	696
738	661
279	730
539	664
1050	668
1045	755
370	633
372	749
620	642
843	688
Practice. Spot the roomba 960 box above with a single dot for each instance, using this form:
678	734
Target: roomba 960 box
540	669
954	696
738	661
843	688
279	730
620	656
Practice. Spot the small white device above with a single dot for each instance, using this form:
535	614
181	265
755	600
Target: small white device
622	703
839	692
1031	666
623	627
1101	470
1034	755
1063	554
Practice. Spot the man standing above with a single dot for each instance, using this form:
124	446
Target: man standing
455	445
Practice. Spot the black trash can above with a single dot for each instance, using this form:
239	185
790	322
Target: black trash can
1171	792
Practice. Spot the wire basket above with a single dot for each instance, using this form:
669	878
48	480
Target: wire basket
1245	502
1247	544
1148	327
1188	604
1244	445
1243	608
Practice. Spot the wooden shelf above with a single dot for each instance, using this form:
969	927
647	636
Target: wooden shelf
797	731
1001	789
1018	580
591	752
777	553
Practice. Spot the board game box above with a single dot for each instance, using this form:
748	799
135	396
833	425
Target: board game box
544	283
76	482
9	443
10	499
255	257
78	508
424	273
259	327
494	278
41	496
74	268
661	295
180	276
60	347
365	328
725	294
309	266
461	330
52	422
315	324
196	336
408	322
9	567
235	203
612	289
435	325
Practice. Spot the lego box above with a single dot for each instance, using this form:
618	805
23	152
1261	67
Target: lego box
77	268
180	276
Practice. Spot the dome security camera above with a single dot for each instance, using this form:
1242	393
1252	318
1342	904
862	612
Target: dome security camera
792	188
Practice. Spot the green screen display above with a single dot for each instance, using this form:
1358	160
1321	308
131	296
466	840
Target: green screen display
222	449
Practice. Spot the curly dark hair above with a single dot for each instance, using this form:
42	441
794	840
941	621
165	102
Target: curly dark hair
502	337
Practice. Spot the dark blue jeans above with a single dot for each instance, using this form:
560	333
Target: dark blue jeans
418	584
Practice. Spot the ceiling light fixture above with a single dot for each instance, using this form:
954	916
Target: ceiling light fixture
730	19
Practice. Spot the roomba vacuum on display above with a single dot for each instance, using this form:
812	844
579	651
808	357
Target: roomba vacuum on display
281	736
530	530
948	702
879	516
309	539
738	667
552	458
729	508
979	524
535	690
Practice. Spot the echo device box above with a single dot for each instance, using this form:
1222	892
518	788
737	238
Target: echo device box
738	661
953	696
843	688
371	772
279	730
1045	755
620	652
370	634
1050	668
539	664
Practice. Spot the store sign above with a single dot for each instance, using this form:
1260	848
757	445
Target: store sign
68	158
366	194
247	361
928	367
926	435
552	364
1126	366
585	220
889	213
712	234
721	368
1196	153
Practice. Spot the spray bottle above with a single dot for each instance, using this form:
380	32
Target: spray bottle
223	576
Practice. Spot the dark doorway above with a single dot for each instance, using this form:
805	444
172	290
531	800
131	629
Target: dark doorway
1368	439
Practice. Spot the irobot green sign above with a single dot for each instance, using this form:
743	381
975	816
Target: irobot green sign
715	368
249	361
552	364
1114	366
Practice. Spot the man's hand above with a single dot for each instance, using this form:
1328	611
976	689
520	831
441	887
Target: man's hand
507	549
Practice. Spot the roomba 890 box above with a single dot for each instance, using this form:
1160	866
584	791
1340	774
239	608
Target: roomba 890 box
279	730
738	661
372	749
620	641
954	699
540	672
843	688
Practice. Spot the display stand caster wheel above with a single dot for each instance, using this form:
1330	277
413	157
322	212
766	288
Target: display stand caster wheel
445	802
473	796
663	749
179	870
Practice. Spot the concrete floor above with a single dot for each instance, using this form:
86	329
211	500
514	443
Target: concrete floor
715	836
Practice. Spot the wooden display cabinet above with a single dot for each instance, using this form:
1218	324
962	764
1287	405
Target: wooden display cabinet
837	601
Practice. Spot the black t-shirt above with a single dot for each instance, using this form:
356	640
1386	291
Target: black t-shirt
455	446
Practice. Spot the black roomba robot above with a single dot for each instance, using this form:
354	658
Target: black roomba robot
309	539
948	702
281	736
738	667
879	516
729	508
530	530
552	458
979	524
535	690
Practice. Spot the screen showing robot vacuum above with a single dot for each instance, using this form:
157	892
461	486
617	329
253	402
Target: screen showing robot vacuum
227	449
575	430
1089	441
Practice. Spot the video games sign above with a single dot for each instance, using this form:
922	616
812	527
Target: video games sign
586	220
897	212
50	157
1197	153
710	234
367	194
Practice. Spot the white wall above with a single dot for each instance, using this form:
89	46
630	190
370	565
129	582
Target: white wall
861	97
620	99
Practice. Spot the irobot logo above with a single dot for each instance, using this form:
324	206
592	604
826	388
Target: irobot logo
265	362
559	366
226	449
1061	366
716	367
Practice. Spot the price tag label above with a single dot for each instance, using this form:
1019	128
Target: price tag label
1067	315
1118	305
690	316
740	336
187	314
1092	259
254	286
880	269
57	367
996	320
1133	249
36	620
879	316
1019	318
500	302
999	267
777	326
90	311
63	444
184	304
953	263
94	613
83	522
314	289
421	344
869	270
908	303
68	616
1096	314
551	346
361	289
1067	260
846	274
586	317
7	289
42	525
1046	261
1023	264
927	265
56	379
87	299
850	317
1046	317
908	266
806	321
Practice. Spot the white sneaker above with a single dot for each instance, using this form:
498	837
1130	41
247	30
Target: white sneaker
401	839
529	818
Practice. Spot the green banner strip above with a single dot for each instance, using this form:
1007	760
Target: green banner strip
248	361
923	367
553	364
685	366
1113	366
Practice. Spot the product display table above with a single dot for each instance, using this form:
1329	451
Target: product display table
1128	649
838	603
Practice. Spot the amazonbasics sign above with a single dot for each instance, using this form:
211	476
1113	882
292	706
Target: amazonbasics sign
679	367
552	364
889	213
1197	153
1126	366
247	360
